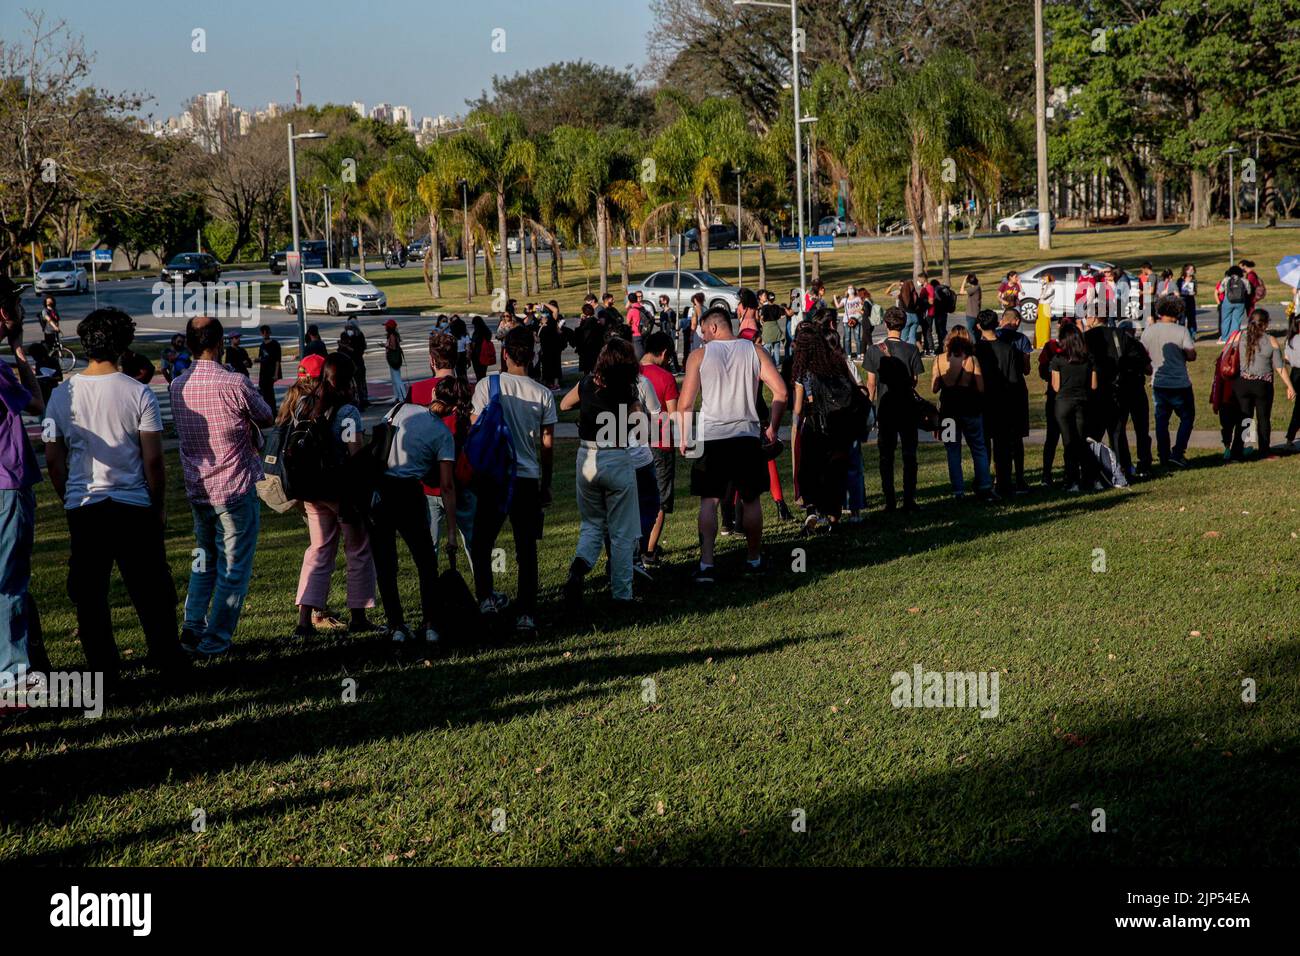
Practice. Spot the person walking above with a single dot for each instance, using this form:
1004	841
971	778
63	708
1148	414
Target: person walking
1170	347
395	358
1187	290
528	409
726	373
605	481
957	380
268	365
331	513
103	449
893	368
1074	379
1260	358
662	449
217	413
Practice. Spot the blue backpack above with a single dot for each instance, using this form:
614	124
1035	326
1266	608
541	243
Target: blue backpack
489	448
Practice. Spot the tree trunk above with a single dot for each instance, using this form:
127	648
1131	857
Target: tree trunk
361	248
602	244
537	276
1200	217
1160	197
503	254
471	265
947	265
702	247
1133	209
914	199
555	262
523	263
622	238
435	250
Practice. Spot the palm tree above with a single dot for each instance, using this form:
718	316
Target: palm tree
438	189
940	124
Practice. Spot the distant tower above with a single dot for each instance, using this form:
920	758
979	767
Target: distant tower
297	90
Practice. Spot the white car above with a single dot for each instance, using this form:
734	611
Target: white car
1065	273
1026	220
835	226
336	291
61	275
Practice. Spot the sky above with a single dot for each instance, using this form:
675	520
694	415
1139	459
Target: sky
430	55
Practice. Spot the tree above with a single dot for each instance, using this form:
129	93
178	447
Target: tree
574	93
438	189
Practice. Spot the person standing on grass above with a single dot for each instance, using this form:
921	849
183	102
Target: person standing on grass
1074	380
822	387
1049	351
1131	394
332	400
1260	358
909	302
1187	290
637	317
103	448
659	351
727	373
1043	318
528	408
1171	347
970	288
448	396
893	368
851	308
395	358
21	648
606	481
268	365
1121	364
1003	353
216	413
1234	295
957	380
552	339
1292	356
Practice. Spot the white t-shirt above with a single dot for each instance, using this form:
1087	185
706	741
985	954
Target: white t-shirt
100	418
529	406
639	452
420	442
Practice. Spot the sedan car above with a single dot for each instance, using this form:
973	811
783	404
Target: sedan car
192	267
721	236
1065	274
60	275
336	291
681	286
1026	220
835	226
313	254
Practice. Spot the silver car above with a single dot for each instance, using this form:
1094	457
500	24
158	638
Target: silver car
681	286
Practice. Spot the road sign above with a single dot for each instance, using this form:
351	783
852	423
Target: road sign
104	257
789	244
820	243
293	268
81	255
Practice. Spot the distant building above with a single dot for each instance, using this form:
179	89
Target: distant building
359	108
382	112
402	117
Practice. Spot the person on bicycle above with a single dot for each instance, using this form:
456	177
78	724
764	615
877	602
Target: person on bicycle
50	323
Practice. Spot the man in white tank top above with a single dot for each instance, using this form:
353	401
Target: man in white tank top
726	374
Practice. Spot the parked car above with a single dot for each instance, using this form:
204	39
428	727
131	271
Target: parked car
336	291
60	275
1064	274
1026	220
313	256
721	236
192	267
680	286
416	250
835	226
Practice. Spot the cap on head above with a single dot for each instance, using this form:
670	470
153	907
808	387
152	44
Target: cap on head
310	367
390	324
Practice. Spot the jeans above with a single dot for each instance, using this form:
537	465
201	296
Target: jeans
226	539
774	349
525	514
397	511
1189	314
969	321
1168	402
399	387
606	490
1231	318
970	427
910	328
106	533
855	488
17	608
852	336
465	507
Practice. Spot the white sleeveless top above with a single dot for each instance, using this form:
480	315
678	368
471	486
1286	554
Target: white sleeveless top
729	390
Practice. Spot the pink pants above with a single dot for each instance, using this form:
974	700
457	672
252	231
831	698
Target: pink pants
323	524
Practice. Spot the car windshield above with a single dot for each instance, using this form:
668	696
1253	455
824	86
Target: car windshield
709	279
57	265
184	261
344	278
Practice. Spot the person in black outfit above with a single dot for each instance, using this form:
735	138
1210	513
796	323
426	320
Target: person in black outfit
553	339
314	344
1075	380
590	338
268	365
1122	364
892	369
1004	365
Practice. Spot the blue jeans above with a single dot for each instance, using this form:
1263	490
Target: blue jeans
972	429
852	338
465	505
1168	401
969	320
1231	318
855	490
225	536
774	349
910	328
17	609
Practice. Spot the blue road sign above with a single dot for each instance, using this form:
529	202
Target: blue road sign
104	257
820	243
81	255
789	244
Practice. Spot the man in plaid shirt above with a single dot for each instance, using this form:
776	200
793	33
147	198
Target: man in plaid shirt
217	413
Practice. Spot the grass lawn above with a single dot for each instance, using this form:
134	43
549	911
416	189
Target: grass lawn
1119	690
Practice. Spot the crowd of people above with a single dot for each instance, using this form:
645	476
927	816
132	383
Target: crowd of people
457	456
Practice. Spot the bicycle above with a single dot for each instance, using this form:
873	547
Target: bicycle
63	355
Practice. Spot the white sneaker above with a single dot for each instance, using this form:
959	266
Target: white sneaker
398	635
430	634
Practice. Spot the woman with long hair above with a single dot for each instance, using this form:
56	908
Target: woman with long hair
1043	321
453	402
477	354
822	390
332	399
1260	358
909	300
1074	381
1187	289
1292	356
606	478
959	382
553	338
461	334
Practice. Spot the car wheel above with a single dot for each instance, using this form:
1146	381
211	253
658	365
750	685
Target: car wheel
1028	311
1004	228
332	306
733	245
289	304
721	304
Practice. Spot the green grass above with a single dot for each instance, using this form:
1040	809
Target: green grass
1119	690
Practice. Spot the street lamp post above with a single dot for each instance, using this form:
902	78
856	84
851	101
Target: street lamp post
1231	152
798	136
329	230
1040	132
740	237
293	215
464	236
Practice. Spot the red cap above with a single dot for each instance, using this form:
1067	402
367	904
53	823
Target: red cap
390	324
311	366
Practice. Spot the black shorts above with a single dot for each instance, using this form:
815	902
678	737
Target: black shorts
665	477
730	462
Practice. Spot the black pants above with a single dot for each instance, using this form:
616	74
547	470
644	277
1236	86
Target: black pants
940	329
1255	399
927	339
525	516
823	472
1230	428
401	509
1133	405
1008	455
1294	426
686	345
1053	436
895	428
1080	465
107	533
266	385
479	370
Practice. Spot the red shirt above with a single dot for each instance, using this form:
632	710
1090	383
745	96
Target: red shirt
665	386
421	393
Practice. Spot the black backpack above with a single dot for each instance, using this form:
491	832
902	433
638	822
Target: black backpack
311	458
947	299
1235	290
840	409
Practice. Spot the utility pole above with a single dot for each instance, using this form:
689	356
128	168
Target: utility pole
1040	130
740	237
